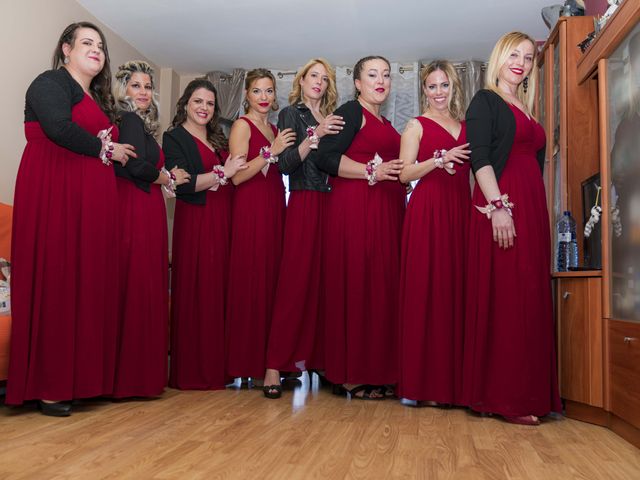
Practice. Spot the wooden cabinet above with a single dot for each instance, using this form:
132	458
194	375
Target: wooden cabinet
613	61
568	111
580	338
624	370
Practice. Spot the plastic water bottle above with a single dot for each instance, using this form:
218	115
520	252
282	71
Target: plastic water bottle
567	246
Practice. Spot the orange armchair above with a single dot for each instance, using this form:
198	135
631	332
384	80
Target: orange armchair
6	215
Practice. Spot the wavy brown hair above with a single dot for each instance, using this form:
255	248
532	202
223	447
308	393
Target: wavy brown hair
456	95
100	86
214	130
330	97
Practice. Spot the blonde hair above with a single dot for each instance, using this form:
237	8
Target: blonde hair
257	74
330	97
124	102
505	45
456	94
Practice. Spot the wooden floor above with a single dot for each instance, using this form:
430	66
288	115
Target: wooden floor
309	433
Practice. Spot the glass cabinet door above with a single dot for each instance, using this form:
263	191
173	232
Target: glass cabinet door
557	207
623	96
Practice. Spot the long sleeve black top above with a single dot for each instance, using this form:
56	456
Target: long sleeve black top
181	150
49	101
141	170
491	128
303	174
332	147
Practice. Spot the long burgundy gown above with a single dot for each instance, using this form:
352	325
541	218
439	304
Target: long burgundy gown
199	269
64	268
432	273
141	366
509	357
256	248
297	333
362	235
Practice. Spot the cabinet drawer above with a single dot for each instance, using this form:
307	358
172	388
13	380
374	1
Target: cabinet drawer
624	370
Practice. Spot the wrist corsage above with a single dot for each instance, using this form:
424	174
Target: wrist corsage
106	152
265	152
313	137
499	203
219	171
169	190
372	168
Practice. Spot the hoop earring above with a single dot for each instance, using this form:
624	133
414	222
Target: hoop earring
245	105
525	84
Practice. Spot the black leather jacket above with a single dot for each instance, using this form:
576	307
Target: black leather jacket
303	175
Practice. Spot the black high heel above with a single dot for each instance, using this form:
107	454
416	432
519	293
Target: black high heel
272	391
55	409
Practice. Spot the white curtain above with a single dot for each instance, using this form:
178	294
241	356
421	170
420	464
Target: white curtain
403	103
344	84
230	89
284	82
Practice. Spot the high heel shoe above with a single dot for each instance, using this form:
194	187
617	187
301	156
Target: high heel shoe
55	409
272	391
530	420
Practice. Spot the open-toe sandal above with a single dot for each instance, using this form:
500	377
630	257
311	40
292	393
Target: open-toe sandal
272	391
367	391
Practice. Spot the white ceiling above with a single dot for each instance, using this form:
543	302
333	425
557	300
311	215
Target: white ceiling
204	35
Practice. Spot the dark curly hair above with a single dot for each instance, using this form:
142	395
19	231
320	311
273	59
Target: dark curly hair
100	87
214	130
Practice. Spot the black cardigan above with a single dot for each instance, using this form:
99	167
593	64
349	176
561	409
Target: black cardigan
49	101
491	128
332	147
141	170
181	150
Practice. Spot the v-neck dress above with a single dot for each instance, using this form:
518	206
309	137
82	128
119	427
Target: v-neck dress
509	350
64	283
256	247
200	265
362	260
432	270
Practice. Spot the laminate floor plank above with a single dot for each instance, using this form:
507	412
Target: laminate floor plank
308	434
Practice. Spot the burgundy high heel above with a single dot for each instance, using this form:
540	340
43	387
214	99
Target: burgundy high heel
530	420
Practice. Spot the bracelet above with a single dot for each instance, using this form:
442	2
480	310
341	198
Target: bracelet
438	158
106	152
371	169
265	152
219	171
499	203
313	137
170	189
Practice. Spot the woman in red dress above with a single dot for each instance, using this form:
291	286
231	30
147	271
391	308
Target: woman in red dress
509	354
434	239
201	234
64	246
296	336
362	239
141	364
257	228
